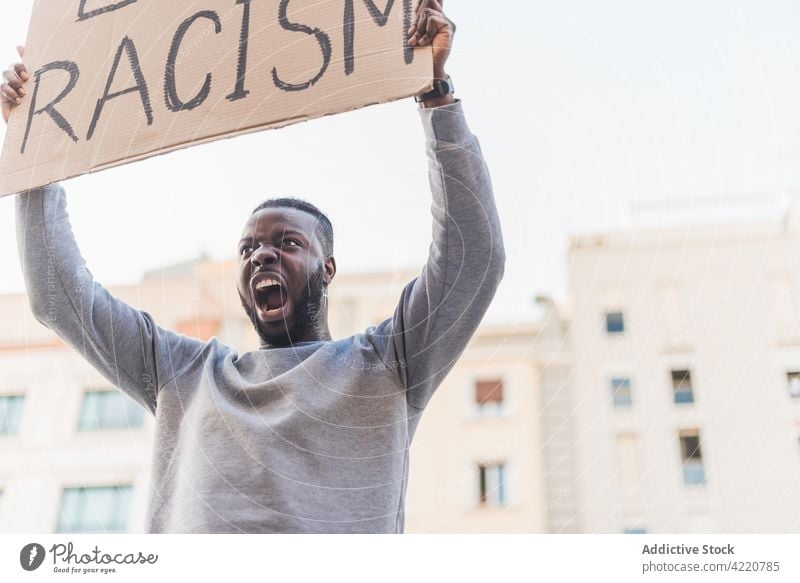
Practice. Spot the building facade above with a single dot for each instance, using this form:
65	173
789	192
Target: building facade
666	399
685	396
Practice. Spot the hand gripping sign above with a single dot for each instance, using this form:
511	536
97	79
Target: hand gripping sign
111	82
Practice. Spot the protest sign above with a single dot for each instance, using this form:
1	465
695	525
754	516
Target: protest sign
114	81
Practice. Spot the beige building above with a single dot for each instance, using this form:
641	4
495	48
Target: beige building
75	453
685	391
477	461
668	401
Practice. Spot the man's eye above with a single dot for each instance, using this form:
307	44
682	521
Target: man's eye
244	250
291	242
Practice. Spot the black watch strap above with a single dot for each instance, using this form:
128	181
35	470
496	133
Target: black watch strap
441	88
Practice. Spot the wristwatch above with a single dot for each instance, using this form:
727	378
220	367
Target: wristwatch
441	88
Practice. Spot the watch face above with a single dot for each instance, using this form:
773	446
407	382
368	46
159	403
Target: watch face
441	88
444	87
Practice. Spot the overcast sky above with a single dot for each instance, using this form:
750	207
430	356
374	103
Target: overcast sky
582	107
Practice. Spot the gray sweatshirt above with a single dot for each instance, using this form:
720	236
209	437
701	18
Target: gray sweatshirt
310	438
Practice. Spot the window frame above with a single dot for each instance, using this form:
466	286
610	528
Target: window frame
615	329
485	498
614	384
125	491
19	410
490	407
692	465
793	384
678	387
133	413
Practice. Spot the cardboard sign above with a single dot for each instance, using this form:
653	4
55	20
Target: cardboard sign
113	81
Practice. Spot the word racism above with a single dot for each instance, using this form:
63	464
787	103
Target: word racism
115	82
65	554
211	18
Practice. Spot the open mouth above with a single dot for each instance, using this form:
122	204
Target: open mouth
270	297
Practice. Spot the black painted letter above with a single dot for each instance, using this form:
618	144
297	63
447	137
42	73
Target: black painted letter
380	18
324	45
50	108
83	15
241	69
171	98
140	87
408	13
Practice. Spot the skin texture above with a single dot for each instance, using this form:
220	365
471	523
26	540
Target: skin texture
11	91
284	242
433	28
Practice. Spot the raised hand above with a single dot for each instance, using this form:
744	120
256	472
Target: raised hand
432	27
11	91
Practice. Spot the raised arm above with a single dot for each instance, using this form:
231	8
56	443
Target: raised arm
124	344
439	311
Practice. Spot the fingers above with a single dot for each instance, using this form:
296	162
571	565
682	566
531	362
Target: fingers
429	20
435	23
427	27
11	90
21	71
418	29
16	75
10	94
429	4
427	30
12	79
423	8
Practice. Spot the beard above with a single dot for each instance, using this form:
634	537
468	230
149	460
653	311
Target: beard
306	313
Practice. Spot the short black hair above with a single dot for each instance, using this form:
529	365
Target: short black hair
324	226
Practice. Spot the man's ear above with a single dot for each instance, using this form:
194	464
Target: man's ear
330	269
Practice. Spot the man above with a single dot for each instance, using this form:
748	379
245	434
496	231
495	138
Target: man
306	434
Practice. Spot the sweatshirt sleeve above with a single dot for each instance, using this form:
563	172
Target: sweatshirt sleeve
122	343
439	311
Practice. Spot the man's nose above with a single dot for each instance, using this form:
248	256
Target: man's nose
264	255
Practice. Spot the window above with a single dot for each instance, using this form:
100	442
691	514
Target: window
489	396
10	413
682	392
615	323
793	379
621	392
109	410
492	486
635	530
94	510
693	472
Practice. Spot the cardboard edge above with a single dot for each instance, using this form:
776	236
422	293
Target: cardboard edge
213	138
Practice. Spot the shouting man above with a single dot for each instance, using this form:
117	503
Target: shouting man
308	433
